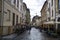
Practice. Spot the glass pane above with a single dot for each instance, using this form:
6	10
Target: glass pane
59	4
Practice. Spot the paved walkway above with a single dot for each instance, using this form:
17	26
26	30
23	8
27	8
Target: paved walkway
10	36
34	34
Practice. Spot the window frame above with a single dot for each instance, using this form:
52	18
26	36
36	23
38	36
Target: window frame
9	14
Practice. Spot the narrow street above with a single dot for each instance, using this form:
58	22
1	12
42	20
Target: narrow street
34	34
29	19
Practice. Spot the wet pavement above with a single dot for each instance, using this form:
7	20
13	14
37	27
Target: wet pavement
34	34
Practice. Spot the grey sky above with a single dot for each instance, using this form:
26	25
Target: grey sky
34	6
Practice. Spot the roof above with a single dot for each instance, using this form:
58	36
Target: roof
25	4
44	5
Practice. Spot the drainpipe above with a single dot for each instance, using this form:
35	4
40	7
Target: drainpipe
55	17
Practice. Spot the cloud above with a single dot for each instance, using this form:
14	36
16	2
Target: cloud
34	6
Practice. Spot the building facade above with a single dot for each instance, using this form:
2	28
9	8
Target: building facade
44	15
53	6
52	22
28	20
57	13
24	13
10	12
36	21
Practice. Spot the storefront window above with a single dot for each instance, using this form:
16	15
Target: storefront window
59	4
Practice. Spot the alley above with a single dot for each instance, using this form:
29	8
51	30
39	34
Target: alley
29	20
34	34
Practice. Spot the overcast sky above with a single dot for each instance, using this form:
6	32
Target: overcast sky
34	6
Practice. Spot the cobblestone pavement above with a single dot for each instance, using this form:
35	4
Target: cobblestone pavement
33	34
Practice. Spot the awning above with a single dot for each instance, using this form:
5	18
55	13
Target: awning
50	22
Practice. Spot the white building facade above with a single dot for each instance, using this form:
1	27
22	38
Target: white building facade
10	15
53	14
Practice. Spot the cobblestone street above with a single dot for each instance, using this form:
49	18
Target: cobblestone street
34	34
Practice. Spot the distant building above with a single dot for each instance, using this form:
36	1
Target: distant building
24	13
36	20
28	20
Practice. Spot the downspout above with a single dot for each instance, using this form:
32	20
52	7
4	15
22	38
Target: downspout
55	17
2	14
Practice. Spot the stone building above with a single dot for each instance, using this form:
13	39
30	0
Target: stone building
44	15
57	15
10	15
36	21
52	16
28	20
24	13
54	23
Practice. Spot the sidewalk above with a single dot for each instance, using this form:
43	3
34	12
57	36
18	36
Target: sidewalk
10	36
51	34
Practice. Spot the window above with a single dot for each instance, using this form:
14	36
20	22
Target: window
59	3
22	14
52	13
0	11
18	3
52	2
21	0
21	7
13	21
5	12
49	8
14	1
5	16
59	19
16	19
20	19
59	11
9	14
48	19
9	1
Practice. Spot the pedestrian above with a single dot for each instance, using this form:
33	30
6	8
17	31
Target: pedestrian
29	29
